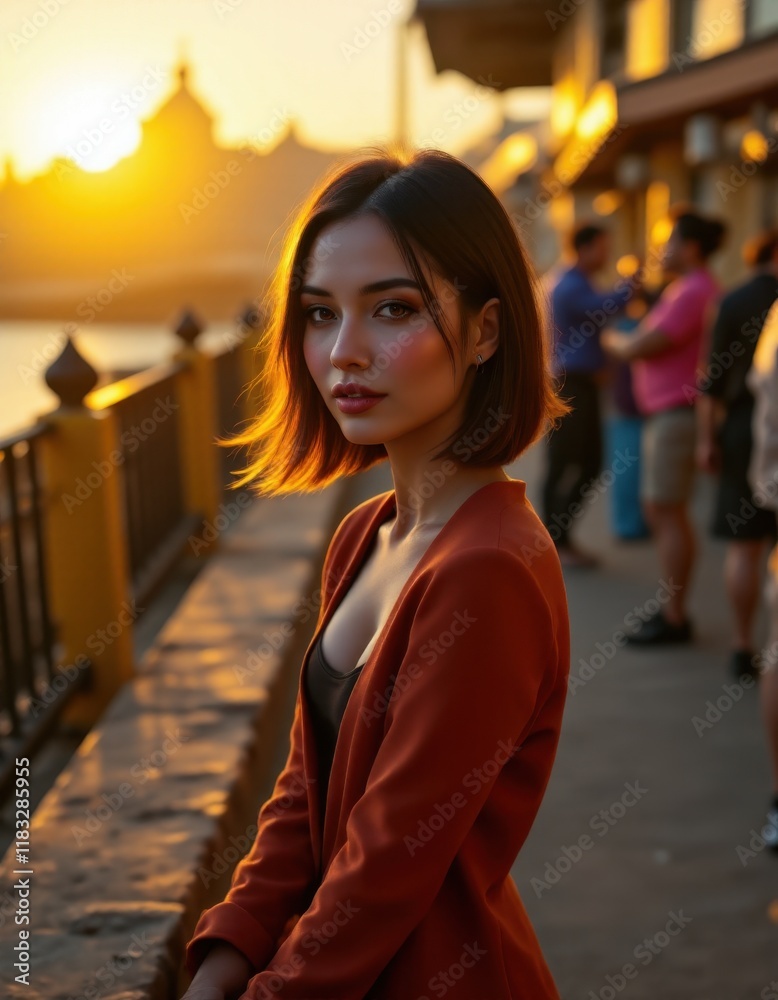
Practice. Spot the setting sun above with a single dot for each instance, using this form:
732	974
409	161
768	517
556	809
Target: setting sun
88	125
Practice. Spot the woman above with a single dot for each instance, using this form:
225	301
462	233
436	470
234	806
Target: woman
666	352
430	697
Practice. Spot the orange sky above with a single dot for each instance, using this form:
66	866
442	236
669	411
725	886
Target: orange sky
72	69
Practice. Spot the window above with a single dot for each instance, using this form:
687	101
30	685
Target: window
614	32
704	28
762	17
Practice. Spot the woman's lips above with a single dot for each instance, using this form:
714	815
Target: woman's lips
356	404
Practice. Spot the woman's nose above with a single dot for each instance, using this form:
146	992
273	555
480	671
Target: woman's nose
351	345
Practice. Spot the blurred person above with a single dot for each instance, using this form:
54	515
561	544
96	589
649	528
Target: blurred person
574	449
762	380
665	352
623	428
405	332
725	413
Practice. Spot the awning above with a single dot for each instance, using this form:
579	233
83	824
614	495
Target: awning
500	43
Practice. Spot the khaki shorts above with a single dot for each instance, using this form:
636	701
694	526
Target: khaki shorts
667	456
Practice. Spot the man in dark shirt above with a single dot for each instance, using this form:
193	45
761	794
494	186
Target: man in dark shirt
579	314
725	411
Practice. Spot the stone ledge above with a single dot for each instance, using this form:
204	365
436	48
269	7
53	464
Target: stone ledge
138	834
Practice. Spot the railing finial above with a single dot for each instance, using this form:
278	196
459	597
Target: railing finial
70	375
188	327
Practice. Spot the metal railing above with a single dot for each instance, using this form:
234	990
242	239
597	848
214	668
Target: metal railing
31	699
141	452
147	407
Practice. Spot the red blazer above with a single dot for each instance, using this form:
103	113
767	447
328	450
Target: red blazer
444	752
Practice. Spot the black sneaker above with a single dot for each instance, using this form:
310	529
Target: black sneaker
744	663
657	630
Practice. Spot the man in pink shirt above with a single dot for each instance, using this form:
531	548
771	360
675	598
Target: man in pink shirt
666	351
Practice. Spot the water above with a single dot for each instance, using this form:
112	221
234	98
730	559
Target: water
28	347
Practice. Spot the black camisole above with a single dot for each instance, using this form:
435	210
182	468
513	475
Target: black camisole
328	692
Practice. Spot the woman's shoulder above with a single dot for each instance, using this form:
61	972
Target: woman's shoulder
499	538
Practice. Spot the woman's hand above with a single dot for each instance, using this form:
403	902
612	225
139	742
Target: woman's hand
203	992
614	342
224	971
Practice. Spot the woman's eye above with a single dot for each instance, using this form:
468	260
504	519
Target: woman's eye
407	310
309	313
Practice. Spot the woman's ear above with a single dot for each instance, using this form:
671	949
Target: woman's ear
487	329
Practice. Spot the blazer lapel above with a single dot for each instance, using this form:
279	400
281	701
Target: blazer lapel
330	603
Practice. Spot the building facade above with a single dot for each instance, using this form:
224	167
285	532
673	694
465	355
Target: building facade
654	102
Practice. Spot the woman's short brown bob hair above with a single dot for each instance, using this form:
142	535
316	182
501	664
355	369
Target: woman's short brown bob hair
433	204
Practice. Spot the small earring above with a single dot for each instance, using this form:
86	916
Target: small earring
479	365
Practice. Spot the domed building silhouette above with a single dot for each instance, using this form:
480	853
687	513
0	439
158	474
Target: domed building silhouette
181	219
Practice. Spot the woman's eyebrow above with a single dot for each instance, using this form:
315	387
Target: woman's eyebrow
376	286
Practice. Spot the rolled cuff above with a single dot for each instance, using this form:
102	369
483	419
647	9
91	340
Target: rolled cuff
228	922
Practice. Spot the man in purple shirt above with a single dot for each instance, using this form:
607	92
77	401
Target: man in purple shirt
579	313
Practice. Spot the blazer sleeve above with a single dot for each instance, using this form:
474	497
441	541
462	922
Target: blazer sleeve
456	711
274	880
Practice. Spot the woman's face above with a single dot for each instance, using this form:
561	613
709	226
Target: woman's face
365	322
